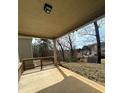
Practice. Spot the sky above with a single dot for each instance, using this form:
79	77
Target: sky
80	41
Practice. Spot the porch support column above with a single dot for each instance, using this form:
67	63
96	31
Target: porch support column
55	52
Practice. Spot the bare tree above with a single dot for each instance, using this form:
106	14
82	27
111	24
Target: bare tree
62	50
66	43
91	32
71	46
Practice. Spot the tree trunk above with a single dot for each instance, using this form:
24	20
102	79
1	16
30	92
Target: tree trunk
63	54
71	48
98	43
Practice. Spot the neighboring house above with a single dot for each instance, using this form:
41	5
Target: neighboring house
92	49
86	50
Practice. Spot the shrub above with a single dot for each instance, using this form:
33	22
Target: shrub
71	59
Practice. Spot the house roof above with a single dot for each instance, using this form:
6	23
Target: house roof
65	16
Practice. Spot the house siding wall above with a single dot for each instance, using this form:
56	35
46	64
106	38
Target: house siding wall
25	51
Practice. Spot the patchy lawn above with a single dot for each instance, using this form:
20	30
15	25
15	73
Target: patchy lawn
93	71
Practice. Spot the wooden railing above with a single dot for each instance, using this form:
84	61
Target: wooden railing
38	58
20	70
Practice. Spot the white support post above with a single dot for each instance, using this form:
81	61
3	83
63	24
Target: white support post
55	53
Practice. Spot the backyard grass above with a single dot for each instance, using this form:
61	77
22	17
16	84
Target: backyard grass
93	71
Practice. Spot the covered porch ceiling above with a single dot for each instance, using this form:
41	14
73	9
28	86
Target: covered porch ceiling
66	16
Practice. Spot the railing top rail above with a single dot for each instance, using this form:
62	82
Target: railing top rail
38	58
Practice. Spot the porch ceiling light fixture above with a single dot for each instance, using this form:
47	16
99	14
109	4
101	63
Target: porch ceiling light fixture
47	8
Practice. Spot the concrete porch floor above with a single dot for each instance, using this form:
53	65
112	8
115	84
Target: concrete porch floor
57	80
